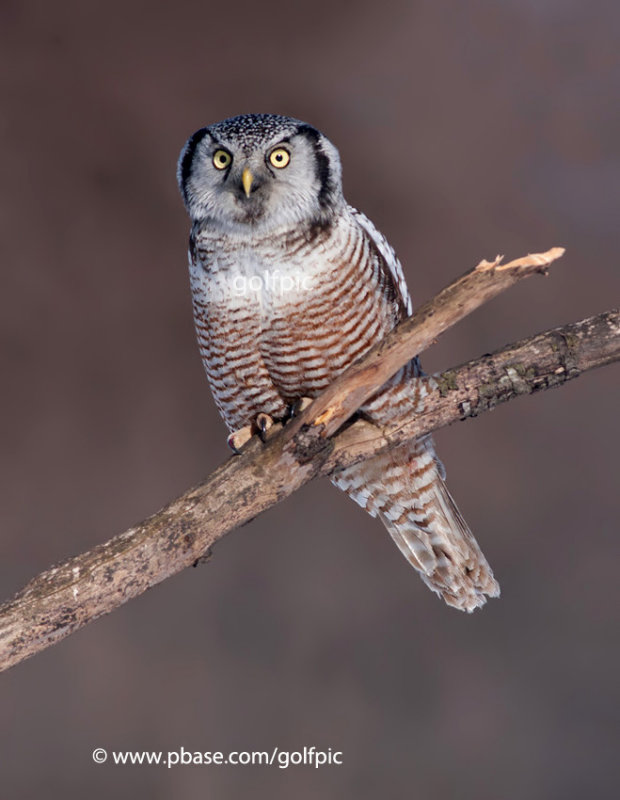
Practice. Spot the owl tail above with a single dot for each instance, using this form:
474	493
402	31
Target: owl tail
405	488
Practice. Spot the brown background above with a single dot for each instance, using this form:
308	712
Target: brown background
466	129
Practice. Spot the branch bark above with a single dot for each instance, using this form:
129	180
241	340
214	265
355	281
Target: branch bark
532	365
68	596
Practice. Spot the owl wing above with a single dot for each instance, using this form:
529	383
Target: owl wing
392	265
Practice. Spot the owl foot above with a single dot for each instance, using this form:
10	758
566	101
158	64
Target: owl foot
237	439
300	405
263	423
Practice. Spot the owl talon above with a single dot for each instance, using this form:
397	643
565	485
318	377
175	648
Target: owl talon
263	423
300	405
261	426
238	439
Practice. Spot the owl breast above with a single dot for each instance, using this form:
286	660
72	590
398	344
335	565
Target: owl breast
279	318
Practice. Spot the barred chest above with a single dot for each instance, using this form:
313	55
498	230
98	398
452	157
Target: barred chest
278	319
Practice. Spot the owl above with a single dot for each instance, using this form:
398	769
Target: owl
290	285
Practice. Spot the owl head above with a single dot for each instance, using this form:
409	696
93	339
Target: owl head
260	172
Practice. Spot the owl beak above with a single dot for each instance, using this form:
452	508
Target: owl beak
246	180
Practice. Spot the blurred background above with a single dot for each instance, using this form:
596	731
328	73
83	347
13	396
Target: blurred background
466	130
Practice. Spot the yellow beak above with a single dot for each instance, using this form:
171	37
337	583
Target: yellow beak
246	180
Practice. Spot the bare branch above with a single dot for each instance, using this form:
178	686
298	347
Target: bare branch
63	599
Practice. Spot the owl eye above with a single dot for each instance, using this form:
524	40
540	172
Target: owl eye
221	159
279	157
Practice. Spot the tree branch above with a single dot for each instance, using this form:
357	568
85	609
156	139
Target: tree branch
540	362
64	598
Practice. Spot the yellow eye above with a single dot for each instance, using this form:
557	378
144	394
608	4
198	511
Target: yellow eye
221	159
279	157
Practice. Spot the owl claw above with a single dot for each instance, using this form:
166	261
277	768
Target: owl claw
263	423
300	405
238	439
